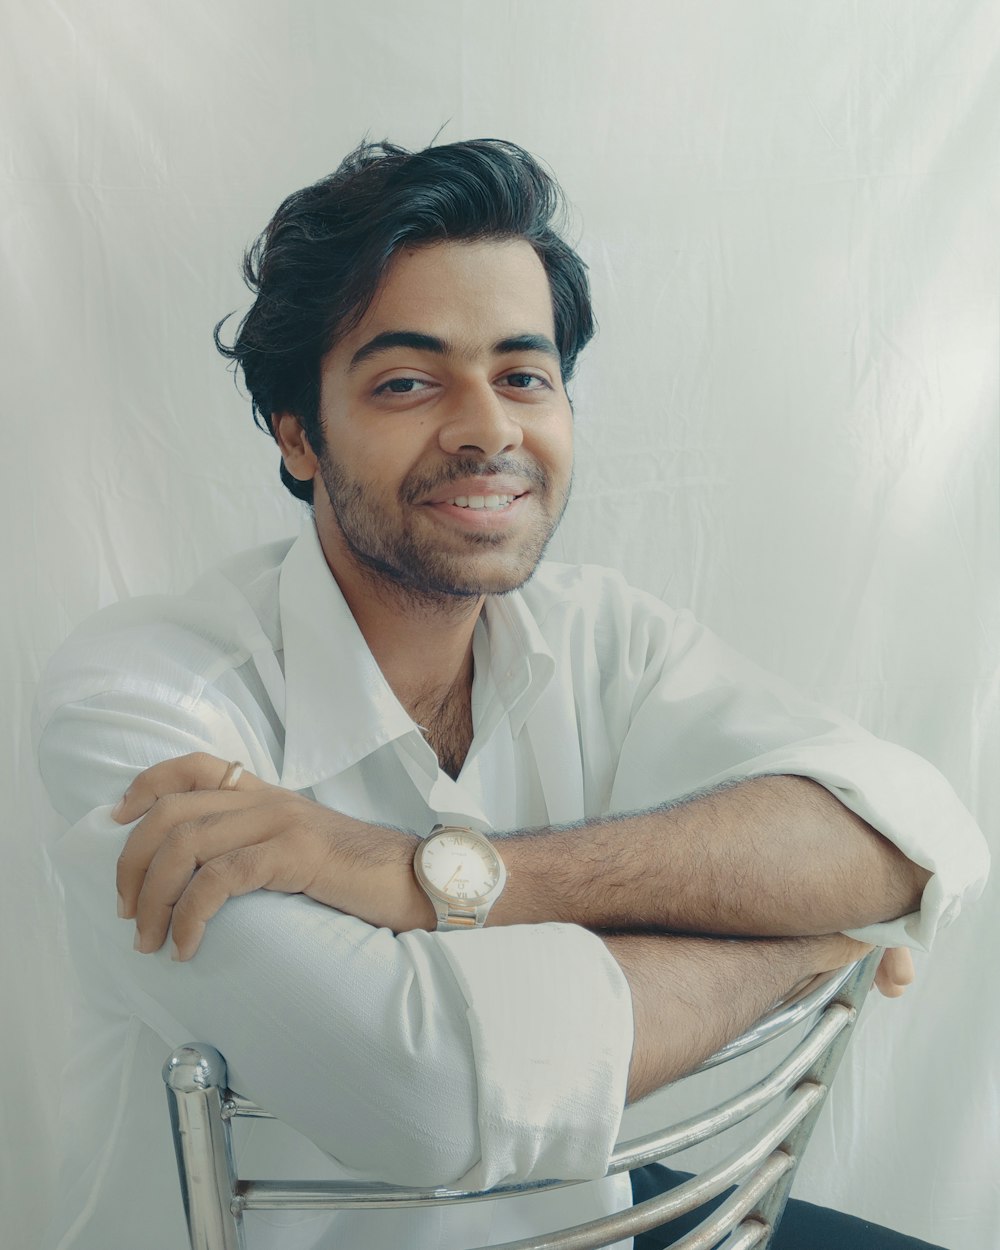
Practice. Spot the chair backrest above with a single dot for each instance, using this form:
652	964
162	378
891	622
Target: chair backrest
788	1100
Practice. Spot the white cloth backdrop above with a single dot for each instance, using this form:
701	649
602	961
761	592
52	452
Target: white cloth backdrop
788	422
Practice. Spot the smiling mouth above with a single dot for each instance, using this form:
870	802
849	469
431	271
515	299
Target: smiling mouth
488	503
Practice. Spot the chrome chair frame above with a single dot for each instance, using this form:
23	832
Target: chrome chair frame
215	1198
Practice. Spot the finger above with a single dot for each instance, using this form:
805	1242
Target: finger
182	851
227	876
197	771
899	966
144	841
164	860
896	966
883	984
888	989
895	972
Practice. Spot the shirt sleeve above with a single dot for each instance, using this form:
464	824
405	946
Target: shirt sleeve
701	715
406	1058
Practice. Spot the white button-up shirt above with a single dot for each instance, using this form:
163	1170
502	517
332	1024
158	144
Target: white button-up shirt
424	1058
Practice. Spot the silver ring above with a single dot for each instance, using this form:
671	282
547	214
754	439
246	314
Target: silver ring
233	773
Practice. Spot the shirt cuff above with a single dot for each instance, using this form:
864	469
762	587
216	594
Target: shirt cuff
908	801
939	905
550	1016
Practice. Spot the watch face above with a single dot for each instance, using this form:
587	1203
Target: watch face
460	867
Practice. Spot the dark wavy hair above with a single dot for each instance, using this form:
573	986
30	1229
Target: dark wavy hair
318	264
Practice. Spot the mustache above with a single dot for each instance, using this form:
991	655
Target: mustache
417	486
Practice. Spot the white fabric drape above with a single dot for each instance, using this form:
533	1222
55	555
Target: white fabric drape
788	422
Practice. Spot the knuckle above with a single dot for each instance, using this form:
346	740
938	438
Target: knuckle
285	808
204	768
165	806
183	833
216	870
231	870
225	876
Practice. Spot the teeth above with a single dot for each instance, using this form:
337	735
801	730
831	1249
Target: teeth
491	502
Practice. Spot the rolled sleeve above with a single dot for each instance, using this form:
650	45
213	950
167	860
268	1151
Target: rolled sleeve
550	1107
909	803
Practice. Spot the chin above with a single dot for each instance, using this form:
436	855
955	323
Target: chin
475	587
461	579
493	577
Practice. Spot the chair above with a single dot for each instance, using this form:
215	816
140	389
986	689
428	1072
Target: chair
789	1098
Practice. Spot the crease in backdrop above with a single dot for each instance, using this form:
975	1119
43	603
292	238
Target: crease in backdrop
788	421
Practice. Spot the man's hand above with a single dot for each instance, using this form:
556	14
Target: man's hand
196	846
892	977
895	972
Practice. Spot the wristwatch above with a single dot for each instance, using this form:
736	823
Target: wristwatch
461	873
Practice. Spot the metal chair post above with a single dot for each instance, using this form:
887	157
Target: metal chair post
195	1077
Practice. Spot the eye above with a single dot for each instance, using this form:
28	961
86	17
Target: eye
400	386
526	381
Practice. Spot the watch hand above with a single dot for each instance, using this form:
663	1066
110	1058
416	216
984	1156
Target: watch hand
452	877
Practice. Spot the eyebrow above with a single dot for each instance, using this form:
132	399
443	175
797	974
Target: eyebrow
430	343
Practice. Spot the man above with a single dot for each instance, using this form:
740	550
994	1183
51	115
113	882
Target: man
406	663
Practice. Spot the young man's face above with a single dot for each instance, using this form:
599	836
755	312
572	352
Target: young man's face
449	456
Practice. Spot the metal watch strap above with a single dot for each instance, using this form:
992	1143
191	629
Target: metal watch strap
454	919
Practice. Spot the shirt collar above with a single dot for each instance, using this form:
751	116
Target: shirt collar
339	708
520	659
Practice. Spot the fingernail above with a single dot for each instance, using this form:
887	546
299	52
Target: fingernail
121	908
118	808
175	954
137	941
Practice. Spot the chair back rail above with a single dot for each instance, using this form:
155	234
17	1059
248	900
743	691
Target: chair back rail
215	1198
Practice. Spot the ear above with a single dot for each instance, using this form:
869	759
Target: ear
300	459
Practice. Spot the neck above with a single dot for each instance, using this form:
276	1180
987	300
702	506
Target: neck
422	646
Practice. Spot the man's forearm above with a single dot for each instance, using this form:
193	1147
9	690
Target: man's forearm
773	856
691	995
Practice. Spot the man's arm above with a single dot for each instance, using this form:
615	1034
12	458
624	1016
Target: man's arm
692	995
403	1057
689	995
776	856
773	856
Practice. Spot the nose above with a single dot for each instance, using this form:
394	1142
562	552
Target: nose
481	421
